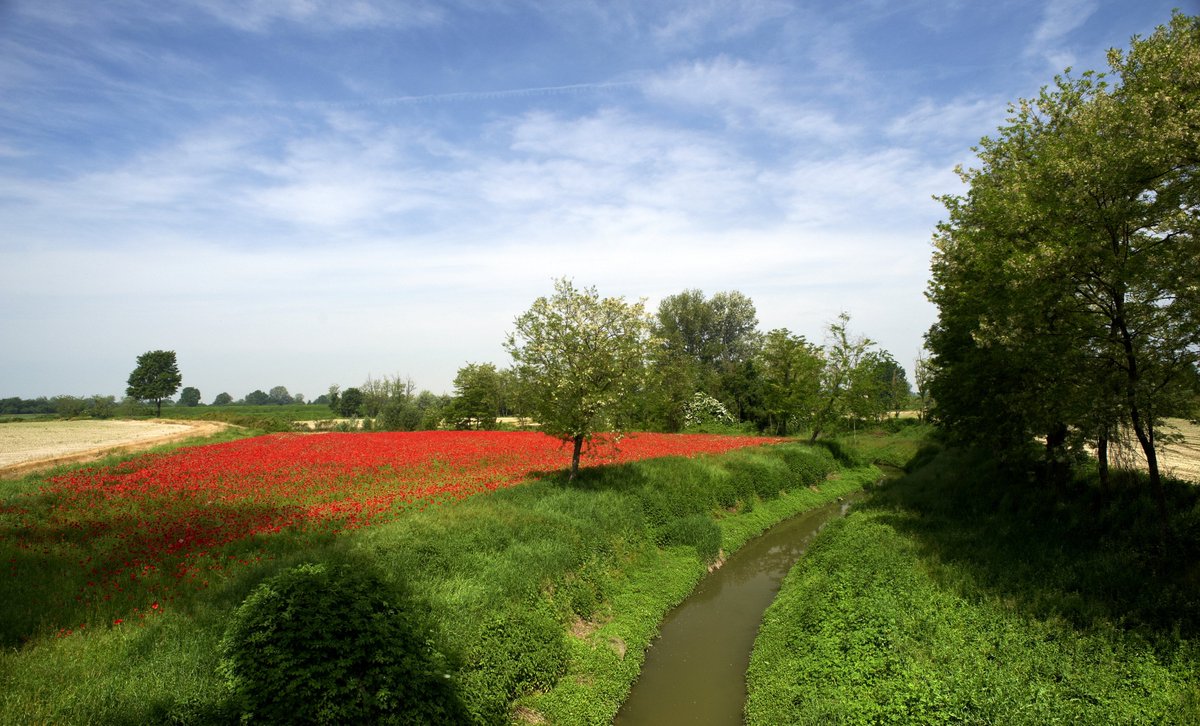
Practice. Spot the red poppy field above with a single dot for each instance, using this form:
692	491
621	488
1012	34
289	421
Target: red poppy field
130	537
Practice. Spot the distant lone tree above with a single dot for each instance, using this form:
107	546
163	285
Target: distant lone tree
580	359
279	396
155	378
189	396
222	399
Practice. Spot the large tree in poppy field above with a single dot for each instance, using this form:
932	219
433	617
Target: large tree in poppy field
580	359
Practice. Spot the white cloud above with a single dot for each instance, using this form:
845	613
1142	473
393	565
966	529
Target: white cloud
951	121
261	15
745	95
700	20
1059	19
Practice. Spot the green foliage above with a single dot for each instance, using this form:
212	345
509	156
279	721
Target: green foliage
791	375
1065	277
257	397
279	396
697	530
477	397
518	652
955	596
155	378
189	396
580	359
400	415
222	399
702	344
69	406
101	406
334	644
349	403
846	379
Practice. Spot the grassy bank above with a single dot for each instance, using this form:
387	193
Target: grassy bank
543	595
962	595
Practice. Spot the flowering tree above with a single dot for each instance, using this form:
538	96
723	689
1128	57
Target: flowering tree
579	358
704	409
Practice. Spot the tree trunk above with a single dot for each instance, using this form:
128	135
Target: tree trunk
1143	429
1102	458
1056	463
575	457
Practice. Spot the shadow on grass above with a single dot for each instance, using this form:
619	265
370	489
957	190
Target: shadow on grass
1074	552
65	566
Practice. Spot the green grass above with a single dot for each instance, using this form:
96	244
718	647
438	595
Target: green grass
291	412
961	595
505	578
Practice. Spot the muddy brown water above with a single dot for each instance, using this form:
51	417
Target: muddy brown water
695	671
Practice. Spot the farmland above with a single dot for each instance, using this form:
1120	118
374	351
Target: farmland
31	444
1179	456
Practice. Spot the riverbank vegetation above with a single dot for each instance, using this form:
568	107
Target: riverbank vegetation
541	595
967	593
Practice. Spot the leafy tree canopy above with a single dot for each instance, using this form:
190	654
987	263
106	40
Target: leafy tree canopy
257	397
189	396
580	358
477	396
155	378
1066	278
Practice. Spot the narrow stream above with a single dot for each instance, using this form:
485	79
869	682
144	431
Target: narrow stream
695	671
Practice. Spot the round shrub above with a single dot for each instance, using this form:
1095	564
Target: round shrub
334	644
809	465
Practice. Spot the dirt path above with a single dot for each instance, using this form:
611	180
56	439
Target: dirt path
28	447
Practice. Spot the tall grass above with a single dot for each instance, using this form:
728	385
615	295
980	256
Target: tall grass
962	595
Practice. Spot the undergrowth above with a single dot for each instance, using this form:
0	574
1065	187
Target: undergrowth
963	594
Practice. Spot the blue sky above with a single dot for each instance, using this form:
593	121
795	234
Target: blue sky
308	192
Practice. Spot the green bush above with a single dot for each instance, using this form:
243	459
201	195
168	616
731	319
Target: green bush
808	465
518	652
699	531
399	416
334	644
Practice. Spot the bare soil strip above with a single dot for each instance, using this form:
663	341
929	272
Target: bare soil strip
27	447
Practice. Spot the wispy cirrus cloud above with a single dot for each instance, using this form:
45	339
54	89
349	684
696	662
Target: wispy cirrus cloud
697	21
745	95
261	15
1059	19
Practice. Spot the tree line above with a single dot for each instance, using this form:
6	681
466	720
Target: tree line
583	363
1067	278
